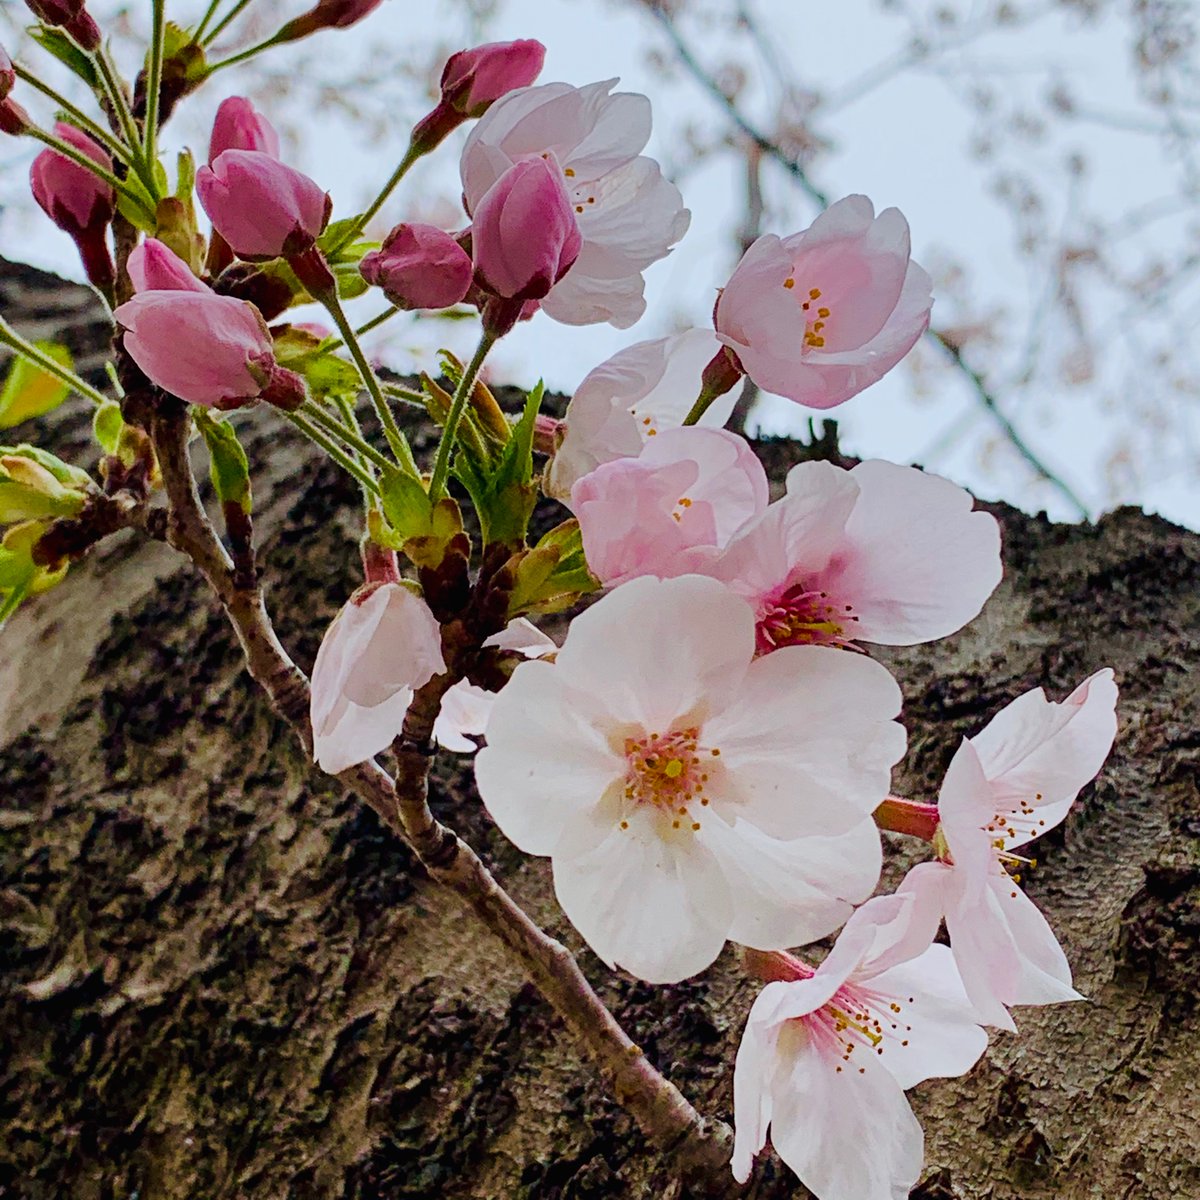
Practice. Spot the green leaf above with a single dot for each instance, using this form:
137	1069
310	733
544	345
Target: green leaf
325	373
134	212
53	41
107	424
406	504
350	283
228	466
31	392
352	251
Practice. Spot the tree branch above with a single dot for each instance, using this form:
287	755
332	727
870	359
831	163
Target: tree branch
698	1148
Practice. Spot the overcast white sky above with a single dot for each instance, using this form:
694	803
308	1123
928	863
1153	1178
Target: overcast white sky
906	142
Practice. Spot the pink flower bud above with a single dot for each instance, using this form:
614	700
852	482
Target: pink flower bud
524	235
78	202
474	79
239	126
327	14
154	267
419	266
206	349
14	120
70	15
260	206
8	77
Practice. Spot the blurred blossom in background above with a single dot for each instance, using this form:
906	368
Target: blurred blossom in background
1045	153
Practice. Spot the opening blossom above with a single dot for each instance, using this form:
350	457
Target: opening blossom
629	216
670	509
1006	787
820	315
639	392
381	647
686	792
419	266
880	553
827	1055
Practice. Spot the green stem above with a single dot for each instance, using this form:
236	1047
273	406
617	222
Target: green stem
211	12
405	396
224	21
78	156
116	148
391	430
351	437
11	338
367	326
154	83
441	464
116	97
334	451
365	218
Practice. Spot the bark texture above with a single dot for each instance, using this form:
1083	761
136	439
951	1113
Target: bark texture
222	979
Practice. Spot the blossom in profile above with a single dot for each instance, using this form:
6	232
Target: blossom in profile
1006	787
382	646
629	216
685	791
629	398
828	1054
670	509
238	125
880	553
820	315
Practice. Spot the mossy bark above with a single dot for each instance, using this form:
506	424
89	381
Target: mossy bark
222	979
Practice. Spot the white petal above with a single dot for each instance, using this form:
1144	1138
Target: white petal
965	810
791	893
657	652
465	710
403	649
582	299
523	637
847	1135
657	907
357	734
547	764
753	1072
807	741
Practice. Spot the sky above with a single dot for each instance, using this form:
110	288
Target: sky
906	138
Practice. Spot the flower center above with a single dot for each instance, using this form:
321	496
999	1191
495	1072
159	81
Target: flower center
857	1022
801	617
1012	829
816	316
669	771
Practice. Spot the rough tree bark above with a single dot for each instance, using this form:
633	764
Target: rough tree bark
223	979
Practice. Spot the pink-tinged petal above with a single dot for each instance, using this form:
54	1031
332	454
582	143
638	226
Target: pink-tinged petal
965	812
807	741
884	932
155	267
917	563
1037	754
941	1027
548	762
404	648
354	734
523	637
1045	974
465	710
657	907
753	1074
581	299
848	1135
792	893
682	642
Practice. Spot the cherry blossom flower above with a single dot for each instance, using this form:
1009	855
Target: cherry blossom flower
238	125
629	215
665	511
1006	787
880	553
382	646
685	791
820	315
465	707
827	1055
629	398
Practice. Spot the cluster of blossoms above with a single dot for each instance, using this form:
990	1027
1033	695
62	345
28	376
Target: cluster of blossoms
707	756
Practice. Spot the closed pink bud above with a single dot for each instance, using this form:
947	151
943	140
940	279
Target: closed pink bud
70	195
154	267
260	206
206	349
239	126
8	77
474	79
327	14
524	235
419	266
70	15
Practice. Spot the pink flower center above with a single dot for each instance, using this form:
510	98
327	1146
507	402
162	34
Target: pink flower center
857	1022
801	617
1012	829
816	316
669	772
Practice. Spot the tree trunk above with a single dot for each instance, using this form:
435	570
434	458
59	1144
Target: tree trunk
223	979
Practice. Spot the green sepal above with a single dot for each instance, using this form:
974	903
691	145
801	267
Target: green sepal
133	212
31	392
54	42
553	575
229	467
325	373
107	424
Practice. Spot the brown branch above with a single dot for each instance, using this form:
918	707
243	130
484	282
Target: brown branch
699	1149
768	146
